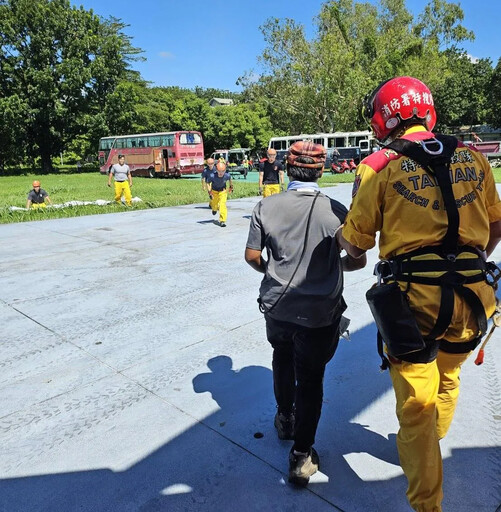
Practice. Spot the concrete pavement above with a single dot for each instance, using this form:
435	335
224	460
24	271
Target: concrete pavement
136	377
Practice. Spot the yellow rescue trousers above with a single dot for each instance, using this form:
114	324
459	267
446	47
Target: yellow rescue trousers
122	187
218	202
35	206
427	395
269	190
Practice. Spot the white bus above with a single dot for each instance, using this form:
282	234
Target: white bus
363	140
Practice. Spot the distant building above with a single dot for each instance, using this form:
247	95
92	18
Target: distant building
220	102
483	132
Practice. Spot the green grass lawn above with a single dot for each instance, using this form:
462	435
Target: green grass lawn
154	193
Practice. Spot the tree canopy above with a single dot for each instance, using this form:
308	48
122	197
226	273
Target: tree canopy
60	73
67	78
318	85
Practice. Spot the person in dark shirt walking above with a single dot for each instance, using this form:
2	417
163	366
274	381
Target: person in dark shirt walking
208	170
271	175
216	186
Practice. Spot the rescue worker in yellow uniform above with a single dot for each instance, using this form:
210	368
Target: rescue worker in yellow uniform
405	203
37	197
123	180
271	175
216	185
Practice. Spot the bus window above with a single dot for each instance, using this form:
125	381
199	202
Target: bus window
140	142
189	138
132	142
154	141
120	143
319	141
106	144
339	142
167	140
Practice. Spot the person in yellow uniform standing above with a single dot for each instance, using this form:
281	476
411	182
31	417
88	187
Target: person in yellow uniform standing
439	217
271	175
123	180
216	184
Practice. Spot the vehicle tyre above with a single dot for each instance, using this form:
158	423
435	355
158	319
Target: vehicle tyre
152	173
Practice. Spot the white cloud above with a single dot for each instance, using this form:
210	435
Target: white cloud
473	59
166	55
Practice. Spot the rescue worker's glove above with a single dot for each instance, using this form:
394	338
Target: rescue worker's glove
210	195
231	189
109	184
260	191
281	188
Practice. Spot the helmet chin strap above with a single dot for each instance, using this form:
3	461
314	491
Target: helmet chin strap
401	129
395	134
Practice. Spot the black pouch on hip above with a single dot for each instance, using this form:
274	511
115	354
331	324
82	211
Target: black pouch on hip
394	319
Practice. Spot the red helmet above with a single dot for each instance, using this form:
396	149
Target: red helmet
396	101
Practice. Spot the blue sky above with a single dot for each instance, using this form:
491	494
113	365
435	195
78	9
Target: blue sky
212	43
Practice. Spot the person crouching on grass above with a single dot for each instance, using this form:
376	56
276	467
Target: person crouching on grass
216	186
123	180
37	197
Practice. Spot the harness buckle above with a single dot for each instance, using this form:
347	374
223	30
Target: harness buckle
493	274
426	143
382	270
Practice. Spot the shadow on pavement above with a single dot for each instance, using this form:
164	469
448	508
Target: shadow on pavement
197	472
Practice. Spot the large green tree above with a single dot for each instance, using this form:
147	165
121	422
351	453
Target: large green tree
174	108
65	67
319	84
494	97
462	99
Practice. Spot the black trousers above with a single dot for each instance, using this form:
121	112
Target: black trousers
300	355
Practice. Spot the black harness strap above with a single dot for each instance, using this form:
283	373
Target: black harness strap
434	155
437	164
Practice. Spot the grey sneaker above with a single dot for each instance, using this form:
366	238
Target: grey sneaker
222	224
301	467
284	423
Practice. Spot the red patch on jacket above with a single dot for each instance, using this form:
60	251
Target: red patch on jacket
379	160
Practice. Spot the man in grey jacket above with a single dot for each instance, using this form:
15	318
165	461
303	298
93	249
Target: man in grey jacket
300	296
